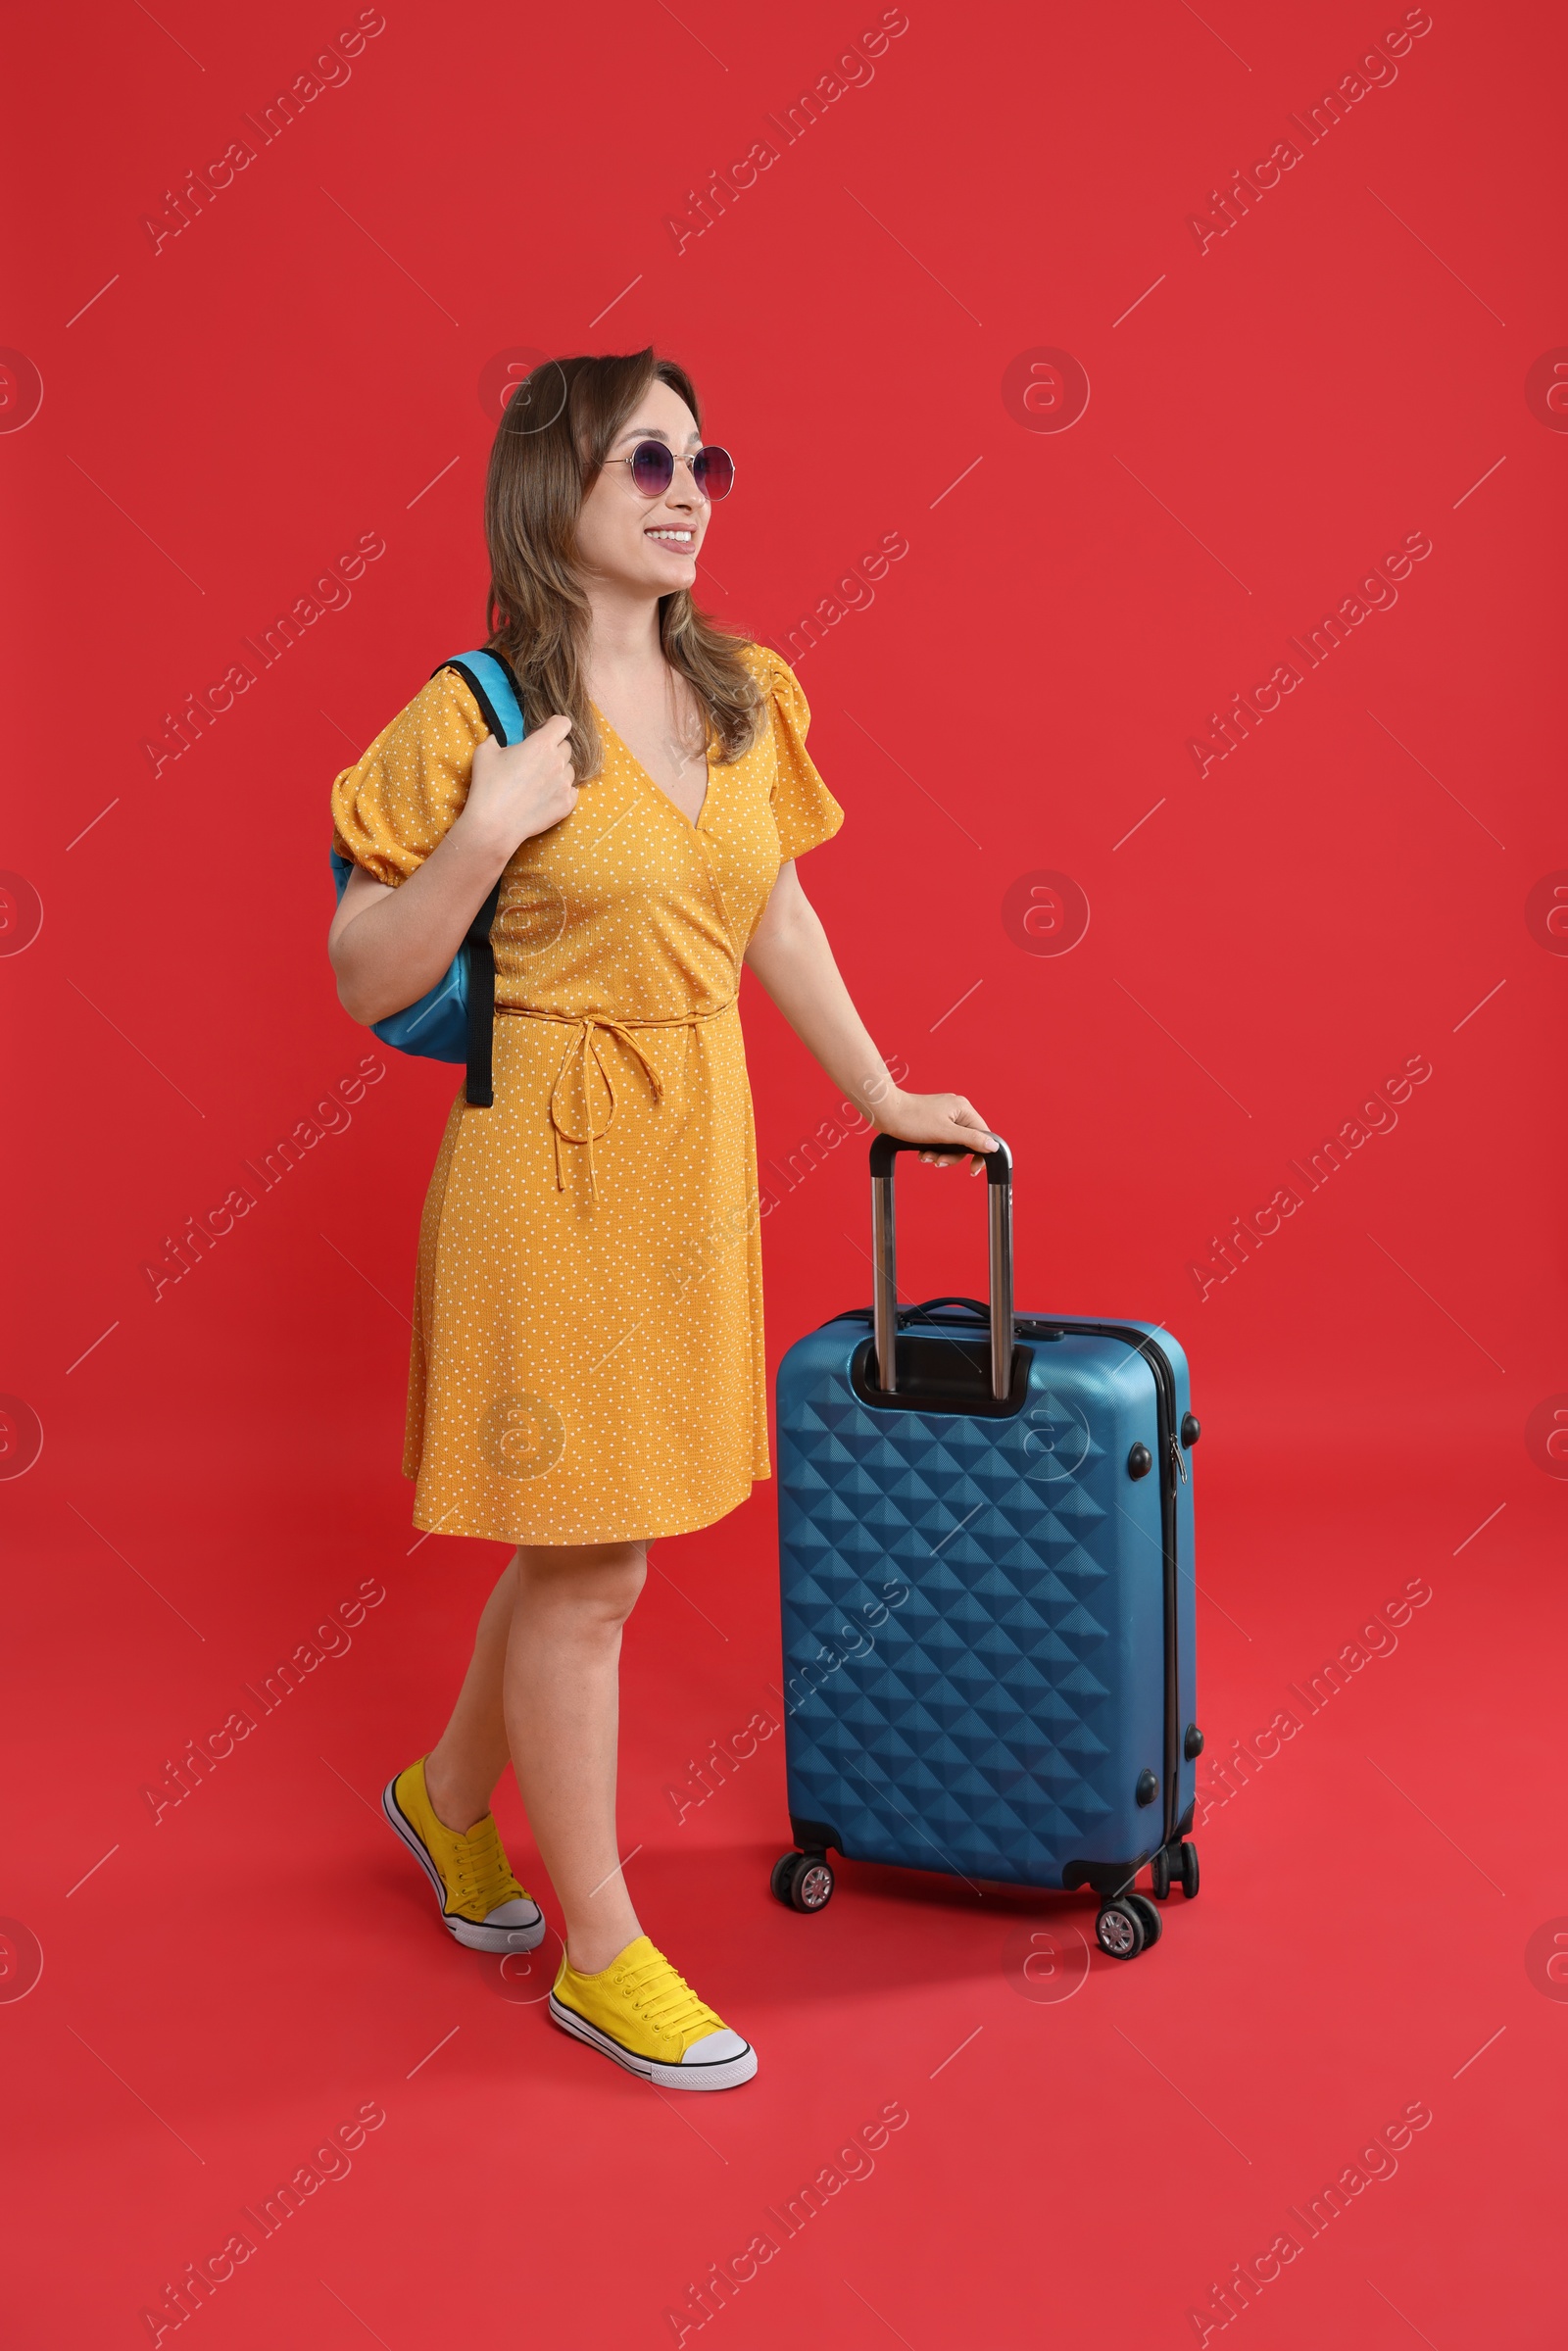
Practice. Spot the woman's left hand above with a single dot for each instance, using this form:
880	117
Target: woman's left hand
939	1119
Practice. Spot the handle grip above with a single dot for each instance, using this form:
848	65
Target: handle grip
884	1301
886	1148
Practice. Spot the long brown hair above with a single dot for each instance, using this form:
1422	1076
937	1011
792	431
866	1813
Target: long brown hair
554	434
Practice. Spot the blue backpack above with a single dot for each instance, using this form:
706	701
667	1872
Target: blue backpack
455	1020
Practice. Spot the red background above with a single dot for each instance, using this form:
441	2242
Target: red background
1267	418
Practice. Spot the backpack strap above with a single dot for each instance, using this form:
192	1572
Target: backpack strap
489	678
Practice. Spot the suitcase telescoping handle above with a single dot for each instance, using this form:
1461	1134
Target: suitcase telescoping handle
885	1296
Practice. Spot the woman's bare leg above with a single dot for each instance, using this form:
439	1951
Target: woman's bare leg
461	1768
562	1713
544	1686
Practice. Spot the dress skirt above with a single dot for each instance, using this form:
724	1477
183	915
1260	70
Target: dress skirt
589	1368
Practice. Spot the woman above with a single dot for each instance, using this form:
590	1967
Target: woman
587	1364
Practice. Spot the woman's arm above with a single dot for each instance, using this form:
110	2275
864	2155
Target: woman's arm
389	946
790	955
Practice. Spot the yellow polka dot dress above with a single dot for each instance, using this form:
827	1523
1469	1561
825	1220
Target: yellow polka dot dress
587	1362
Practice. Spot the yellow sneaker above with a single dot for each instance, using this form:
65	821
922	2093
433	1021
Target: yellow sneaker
648	2019
480	1899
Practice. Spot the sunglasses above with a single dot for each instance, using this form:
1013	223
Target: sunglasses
652	469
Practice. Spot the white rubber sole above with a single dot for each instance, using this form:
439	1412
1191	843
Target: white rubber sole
728	2075
464	1930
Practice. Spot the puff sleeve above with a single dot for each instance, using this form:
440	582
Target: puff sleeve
390	812
804	809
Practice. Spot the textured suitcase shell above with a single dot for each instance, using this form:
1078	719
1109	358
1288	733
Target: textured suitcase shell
984	1646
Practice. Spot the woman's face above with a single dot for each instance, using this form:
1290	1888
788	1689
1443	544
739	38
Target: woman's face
646	543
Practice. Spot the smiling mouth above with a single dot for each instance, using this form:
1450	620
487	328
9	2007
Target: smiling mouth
680	540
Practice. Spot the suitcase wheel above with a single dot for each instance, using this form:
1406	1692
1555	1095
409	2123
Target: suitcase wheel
1119	1930
803	1880
1160	1872
1149	1912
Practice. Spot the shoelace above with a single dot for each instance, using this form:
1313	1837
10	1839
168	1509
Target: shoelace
658	1993
483	1878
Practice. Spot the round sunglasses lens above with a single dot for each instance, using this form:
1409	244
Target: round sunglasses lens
653	468
715	472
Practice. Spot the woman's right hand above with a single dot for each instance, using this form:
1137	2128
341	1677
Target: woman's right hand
519	789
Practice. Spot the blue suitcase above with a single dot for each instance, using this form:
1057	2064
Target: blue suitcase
986	1557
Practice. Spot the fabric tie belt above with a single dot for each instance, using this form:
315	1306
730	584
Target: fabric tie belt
590	1026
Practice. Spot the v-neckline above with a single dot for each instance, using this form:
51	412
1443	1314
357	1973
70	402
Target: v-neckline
652	782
